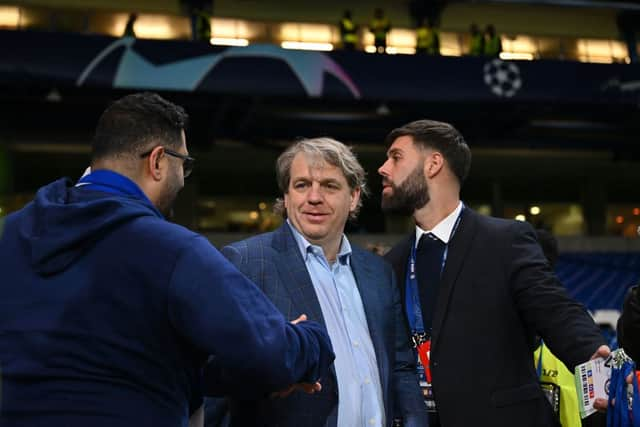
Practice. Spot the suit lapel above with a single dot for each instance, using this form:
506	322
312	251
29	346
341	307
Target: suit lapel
459	246
294	274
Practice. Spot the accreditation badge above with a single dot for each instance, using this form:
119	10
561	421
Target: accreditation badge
423	348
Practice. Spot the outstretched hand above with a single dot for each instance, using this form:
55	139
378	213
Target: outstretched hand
603	351
304	387
301	318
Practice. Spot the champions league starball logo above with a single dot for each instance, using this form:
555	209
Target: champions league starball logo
503	78
136	71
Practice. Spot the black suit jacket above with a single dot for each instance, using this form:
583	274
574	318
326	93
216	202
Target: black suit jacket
497	291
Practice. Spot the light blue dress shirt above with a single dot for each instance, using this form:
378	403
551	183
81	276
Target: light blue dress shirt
360	392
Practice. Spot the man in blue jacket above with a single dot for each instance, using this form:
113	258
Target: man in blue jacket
110	315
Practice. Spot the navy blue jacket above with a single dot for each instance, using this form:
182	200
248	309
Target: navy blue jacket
109	314
274	262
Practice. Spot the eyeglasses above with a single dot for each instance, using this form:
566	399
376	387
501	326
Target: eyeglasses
187	161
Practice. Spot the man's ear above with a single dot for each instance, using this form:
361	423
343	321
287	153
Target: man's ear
434	163
285	200
155	163
355	198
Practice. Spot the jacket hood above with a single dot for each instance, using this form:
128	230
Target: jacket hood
66	221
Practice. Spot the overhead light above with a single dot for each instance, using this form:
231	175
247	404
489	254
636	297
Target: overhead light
392	50
157	27
534	210
619	219
306	45
449	44
601	51
9	16
307	32
636	211
595	59
516	55
227	41
520	217
253	215
449	51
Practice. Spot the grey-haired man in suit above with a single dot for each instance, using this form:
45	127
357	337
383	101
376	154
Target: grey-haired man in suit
308	266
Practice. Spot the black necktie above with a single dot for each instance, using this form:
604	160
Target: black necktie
428	268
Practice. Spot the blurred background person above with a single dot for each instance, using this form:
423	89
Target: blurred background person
492	42
348	31
380	27
129	29
199	13
476	41
427	38
629	325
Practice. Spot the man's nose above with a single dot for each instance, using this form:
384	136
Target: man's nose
382	170
315	194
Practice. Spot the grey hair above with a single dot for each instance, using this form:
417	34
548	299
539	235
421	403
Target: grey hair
318	151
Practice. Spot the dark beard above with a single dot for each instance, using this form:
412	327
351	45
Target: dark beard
411	195
165	206
168	197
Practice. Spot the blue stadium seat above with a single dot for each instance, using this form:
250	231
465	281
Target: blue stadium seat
599	280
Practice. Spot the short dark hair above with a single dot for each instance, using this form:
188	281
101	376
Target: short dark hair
130	124
441	137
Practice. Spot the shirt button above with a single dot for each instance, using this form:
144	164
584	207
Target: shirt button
367	380
356	343
434	363
372	421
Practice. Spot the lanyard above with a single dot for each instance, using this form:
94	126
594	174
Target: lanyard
113	183
412	298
